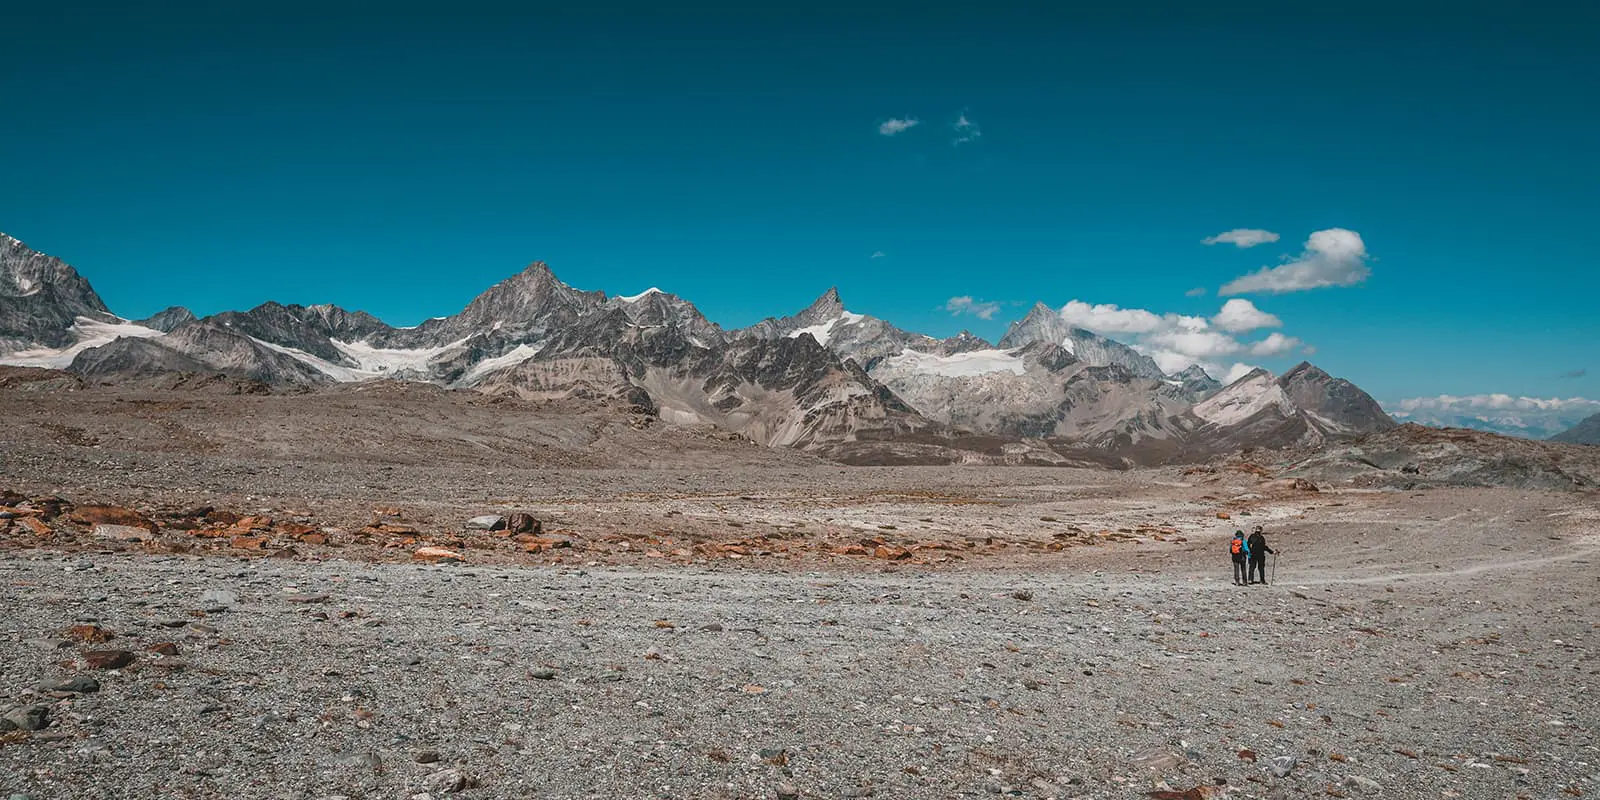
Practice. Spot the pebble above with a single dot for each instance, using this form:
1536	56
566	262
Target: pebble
1367	785
448	781
543	674
1281	766
487	522
28	718
77	684
428	757
214	601
107	659
369	762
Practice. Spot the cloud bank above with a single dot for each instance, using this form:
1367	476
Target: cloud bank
1177	341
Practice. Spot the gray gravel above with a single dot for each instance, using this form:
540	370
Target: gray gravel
413	680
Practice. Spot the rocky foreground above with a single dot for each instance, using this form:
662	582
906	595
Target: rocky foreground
1437	645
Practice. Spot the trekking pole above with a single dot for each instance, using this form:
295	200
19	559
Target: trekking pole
1275	557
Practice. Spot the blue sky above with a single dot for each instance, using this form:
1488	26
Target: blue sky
401	160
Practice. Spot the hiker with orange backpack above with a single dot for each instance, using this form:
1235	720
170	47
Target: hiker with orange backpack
1240	549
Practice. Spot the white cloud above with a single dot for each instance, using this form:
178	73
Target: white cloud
877	254
1333	257
896	125
1176	341
1197	344
1198	291
965	129
1109	318
1276	344
1239	315
1242	237
982	309
1495	402
1238	371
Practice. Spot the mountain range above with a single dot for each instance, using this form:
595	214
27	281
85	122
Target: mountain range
844	385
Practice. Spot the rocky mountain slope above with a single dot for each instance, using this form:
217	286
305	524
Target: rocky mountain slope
824	379
1413	456
42	300
1585	432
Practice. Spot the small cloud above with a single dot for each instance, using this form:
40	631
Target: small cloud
965	130
896	125
1242	237
877	254
1276	344
1239	315
1333	257
982	309
1577	373
1198	291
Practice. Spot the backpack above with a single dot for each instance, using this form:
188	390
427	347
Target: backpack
1236	547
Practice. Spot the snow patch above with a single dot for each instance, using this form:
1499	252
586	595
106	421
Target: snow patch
380	361
89	333
1069	345
960	365
640	296
332	370
517	355
822	332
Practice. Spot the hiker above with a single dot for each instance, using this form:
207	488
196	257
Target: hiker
1241	554
1257	547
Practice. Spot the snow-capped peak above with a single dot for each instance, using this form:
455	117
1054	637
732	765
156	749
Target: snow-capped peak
823	331
640	296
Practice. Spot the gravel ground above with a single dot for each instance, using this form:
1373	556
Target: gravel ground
1454	672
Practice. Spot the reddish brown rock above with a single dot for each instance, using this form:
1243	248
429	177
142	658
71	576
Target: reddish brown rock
91	634
437	555
888	553
249	542
295	529
220	517
252	524
163	649
122	533
112	515
313	538
107	659
523	523
35	526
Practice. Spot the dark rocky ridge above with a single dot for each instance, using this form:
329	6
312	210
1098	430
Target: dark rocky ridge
1585	432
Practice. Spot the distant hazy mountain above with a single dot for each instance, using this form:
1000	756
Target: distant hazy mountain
1525	418
825	378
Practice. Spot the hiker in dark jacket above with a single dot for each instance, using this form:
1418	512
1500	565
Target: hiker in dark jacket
1257	546
1240	549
